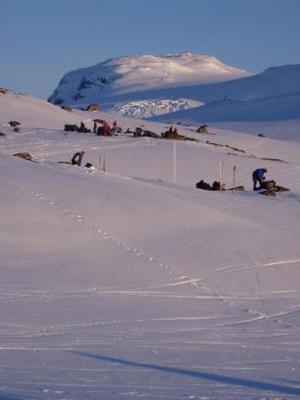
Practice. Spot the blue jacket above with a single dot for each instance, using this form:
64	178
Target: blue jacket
259	173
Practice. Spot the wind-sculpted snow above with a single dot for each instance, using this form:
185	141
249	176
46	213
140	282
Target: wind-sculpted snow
125	284
152	107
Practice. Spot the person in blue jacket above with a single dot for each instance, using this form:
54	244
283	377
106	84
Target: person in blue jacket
258	176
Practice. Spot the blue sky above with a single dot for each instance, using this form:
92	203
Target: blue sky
40	40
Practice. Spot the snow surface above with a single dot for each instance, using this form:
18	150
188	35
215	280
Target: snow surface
266	103
152	107
124	284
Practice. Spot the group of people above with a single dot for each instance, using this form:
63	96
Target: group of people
171	133
82	128
105	129
258	178
258	175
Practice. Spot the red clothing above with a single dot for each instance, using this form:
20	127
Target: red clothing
106	129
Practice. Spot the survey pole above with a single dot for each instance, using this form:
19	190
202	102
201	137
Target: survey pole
234	176
174	161
222	179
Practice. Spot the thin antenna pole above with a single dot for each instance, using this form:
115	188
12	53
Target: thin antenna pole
104	163
222	180
234	176
174	161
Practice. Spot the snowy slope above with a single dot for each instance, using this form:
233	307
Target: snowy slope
271	97
127	78
275	81
33	112
125	285
277	108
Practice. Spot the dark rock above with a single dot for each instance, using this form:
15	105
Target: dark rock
216	186
58	102
271	188
138	132
203	185
24	155
66	108
85	84
14	123
93	107
202	129
78	96
151	134
71	128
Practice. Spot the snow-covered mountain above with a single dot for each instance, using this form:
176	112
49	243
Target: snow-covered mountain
127	282
275	81
272	96
130	78
194	88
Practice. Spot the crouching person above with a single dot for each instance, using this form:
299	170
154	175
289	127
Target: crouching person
258	176
77	158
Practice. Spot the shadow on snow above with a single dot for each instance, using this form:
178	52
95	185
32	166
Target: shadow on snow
200	375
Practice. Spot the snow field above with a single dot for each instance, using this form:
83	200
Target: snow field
124	285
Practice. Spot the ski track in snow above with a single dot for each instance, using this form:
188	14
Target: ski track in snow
196	283
103	234
89	385
42	148
256	265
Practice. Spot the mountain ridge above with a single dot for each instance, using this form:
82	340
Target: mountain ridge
132	75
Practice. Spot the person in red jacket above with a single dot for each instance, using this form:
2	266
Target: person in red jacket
106	129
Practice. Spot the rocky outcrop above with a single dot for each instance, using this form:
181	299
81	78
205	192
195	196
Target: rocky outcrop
14	124
93	107
203	128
